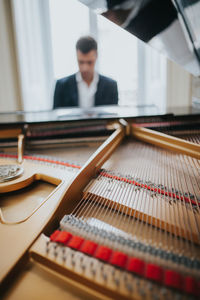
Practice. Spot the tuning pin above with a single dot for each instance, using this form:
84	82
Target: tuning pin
150	287
81	259
164	292
102	267
129	287
155	296
116	281
73	262
93	271
142	293
178	297
137	282
55	245
47	246
125	277
55	253
83	266
91	263
104	275
113	272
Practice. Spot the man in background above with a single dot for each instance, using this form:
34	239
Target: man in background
86	88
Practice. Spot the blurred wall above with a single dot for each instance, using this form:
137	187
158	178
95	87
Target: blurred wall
10	96
179	86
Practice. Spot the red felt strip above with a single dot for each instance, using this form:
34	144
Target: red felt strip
136	265
119	259
54	235
89	247
154	272
190	286
63	237
173	279
75	242
166	193
151	271
163	192
103	253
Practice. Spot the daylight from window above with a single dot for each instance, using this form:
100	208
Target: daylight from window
117	48
138	69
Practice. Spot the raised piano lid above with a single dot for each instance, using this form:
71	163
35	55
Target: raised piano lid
170	26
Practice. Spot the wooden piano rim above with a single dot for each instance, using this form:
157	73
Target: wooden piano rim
87	172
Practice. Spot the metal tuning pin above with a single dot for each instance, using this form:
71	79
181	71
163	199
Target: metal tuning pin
83	266
150	287
64	257
92	268
102	267
91	264
93	271
104	275
113	272
142	292
129	287
164	292
81	258
56	250
55	246
155	296
55	253
116	281
82	263
47	246
125	277
73	262
178	296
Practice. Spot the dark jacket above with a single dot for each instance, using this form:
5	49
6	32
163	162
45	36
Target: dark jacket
66	92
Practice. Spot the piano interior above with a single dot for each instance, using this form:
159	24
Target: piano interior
111	213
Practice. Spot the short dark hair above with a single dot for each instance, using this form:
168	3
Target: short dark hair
86	43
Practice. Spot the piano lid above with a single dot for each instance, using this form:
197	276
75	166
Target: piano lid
170	26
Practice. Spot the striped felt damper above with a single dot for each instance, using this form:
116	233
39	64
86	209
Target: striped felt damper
75	242
153	189
63	237
89	247
37	158
103	253
54	235
105	174
134	265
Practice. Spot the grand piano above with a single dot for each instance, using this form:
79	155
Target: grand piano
105	203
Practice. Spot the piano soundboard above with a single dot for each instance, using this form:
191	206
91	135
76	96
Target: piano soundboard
122	223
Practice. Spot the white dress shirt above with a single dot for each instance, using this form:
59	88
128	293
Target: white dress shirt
86	94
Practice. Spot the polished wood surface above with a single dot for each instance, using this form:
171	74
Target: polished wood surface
33	205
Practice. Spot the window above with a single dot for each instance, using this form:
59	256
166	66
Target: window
138	70
69	20
46	34
118	59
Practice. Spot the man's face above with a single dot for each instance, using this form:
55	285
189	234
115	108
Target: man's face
86	63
